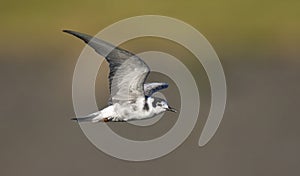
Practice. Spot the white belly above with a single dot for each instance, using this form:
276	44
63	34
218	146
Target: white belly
128	112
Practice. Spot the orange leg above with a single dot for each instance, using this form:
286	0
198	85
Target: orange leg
105	120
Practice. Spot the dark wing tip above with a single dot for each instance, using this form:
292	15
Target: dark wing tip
165	85
69	31
161	86
86	38
66	30
74	119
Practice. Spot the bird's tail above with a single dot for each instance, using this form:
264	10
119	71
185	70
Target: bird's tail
95	117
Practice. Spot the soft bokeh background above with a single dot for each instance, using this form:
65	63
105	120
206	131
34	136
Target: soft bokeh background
257	42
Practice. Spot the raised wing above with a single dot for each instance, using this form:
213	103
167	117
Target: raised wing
151	88
127	71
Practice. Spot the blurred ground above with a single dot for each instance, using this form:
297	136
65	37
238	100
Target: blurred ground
257	42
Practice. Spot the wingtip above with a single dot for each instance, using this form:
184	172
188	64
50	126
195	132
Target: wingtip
85	37
166	85
69	31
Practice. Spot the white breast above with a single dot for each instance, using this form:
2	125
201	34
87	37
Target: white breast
136	111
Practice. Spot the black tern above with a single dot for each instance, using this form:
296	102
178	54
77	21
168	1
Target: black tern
130	97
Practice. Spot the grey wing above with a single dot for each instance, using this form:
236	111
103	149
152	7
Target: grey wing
151	88
127	71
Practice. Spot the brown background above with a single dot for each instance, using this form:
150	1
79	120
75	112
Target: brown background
258	45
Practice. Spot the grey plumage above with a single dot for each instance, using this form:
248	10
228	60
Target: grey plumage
126	81
127	71
151	88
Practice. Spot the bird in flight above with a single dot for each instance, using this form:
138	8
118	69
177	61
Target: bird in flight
130	97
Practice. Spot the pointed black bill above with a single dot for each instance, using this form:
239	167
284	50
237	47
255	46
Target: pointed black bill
171	109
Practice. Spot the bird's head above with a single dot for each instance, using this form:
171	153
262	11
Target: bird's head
161	105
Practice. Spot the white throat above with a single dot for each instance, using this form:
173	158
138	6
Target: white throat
153	107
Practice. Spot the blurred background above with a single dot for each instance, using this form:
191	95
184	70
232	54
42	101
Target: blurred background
257	43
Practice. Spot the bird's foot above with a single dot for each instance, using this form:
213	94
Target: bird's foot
105	120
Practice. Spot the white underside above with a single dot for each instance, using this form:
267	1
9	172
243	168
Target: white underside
128	111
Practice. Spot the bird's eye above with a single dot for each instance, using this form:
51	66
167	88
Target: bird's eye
158	104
